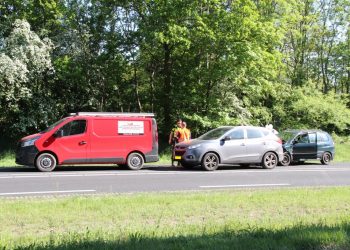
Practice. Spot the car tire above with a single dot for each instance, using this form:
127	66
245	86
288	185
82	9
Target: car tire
210	162
45	162
286	160
269	160
135	161
326	158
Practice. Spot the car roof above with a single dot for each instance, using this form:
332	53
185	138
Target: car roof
295	131
242	126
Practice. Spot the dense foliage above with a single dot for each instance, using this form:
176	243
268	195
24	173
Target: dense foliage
213	62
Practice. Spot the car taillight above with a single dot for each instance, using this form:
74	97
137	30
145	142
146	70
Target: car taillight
279	140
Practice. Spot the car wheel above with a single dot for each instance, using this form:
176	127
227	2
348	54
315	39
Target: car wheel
135	161
187	165
286	159
326	158
210	162
45	162
270	160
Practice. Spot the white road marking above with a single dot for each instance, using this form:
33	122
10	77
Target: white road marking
49	192
247	185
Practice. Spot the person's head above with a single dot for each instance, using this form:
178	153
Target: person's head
184	124
179	123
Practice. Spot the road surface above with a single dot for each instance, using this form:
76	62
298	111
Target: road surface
101	180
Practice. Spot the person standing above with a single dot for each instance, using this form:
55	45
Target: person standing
176	136
186	131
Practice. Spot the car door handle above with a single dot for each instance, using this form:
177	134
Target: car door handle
243	144
82	143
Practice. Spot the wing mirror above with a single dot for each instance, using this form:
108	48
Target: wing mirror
58	133
227	138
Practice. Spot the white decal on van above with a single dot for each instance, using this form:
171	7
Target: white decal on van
131	127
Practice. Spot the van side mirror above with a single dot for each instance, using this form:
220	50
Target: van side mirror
58	133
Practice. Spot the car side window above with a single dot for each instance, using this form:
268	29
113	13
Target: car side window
74	128
312	138
322	137
253	133
303	138
237	134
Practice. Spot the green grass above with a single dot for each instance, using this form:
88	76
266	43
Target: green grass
342	148
7	159
241	219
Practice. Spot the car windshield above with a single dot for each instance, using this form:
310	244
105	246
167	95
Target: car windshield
215	133
287	136
53	125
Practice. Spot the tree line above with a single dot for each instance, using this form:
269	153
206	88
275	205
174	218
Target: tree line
210	62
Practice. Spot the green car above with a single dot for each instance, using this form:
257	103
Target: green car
302	145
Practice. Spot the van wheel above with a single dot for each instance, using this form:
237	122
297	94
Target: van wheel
269	160
45	162
326	158
135	161
286	159
210	162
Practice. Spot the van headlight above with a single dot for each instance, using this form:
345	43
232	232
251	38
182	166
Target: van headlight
194	146
29	142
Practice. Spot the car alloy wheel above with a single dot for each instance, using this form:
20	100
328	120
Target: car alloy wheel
269	160
210	162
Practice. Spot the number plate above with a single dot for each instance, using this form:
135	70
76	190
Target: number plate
177	157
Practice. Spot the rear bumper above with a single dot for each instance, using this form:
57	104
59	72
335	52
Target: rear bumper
26	155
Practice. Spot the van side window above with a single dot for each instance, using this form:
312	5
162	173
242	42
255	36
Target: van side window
253	133
237	134
74	128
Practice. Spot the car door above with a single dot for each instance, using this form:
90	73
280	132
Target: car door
233	148
305	146
255	145
72	142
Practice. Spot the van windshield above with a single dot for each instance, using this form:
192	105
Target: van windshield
214	134
53	125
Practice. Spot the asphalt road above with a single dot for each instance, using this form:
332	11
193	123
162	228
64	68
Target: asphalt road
100	180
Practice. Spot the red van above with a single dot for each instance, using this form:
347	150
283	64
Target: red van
127	139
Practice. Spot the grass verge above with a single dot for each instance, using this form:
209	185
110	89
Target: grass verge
240	219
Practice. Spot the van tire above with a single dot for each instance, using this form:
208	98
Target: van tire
269	160
326	158
210	162
135	161
45	162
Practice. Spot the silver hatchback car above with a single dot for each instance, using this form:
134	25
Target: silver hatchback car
231	145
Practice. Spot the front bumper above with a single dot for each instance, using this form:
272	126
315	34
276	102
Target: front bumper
189	156
26	155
